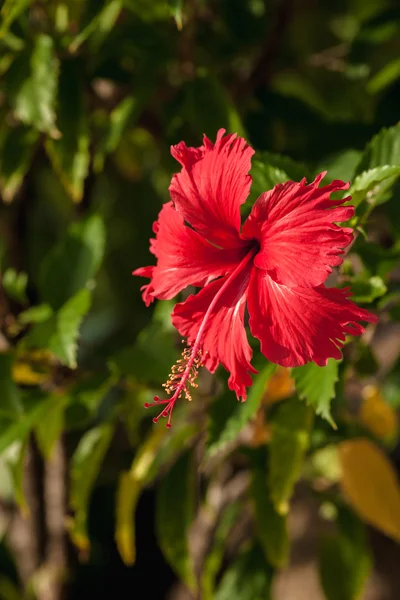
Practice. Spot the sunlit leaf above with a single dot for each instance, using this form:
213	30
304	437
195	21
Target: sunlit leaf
176	8
383	149
49	429
384	77
367	290
280	386
368	184
264	178
35	314
158	449
316	385
23	373
60	333
15	284
370	483
377	415
32	84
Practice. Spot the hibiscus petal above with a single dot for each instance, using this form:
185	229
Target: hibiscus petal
295	225
299	325
184	258
212	185
225	340
147	289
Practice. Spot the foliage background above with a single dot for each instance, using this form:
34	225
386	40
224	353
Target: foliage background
92	95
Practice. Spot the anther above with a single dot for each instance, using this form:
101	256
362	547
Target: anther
183	374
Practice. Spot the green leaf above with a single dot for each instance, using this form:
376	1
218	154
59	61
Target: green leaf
293	169
73	262
99	26
158	449
271	527
214	559
85	466
10	401
384	77
172	525
370	184
10	11
154	352
152	356
290	439
9	589
20	428
345	560
15	285
340	166
49	429
227	416
16	154
367	290
176	8
32	83
265	177
14	459
316	385
128	492
248	578
35	314
383	149
60	333
207	90
124	113
294	85
70	154
130	486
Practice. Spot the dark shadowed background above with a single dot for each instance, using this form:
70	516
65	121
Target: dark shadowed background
242	501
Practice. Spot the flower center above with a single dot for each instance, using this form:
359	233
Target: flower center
185	371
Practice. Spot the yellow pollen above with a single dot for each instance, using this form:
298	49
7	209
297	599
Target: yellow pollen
178	370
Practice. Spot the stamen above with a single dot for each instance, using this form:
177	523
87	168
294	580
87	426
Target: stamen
185	371
183	374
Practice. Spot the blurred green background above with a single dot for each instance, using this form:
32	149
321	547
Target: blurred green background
247	501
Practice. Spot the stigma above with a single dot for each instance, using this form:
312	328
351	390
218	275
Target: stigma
180	382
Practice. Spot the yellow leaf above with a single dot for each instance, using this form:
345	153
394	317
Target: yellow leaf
23	374
280	386
261	431
370	483
130	486
377	416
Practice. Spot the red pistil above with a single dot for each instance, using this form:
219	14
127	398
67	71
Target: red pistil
185	371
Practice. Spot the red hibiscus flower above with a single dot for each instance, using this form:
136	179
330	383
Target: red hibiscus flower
276	265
